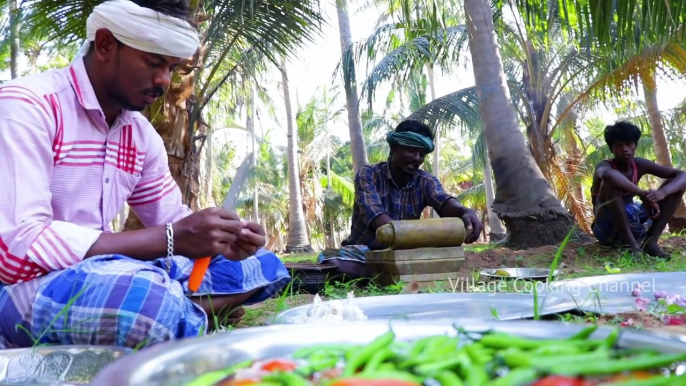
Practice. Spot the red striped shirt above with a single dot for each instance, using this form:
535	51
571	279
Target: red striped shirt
66	174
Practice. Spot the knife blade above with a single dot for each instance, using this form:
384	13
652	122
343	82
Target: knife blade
230	201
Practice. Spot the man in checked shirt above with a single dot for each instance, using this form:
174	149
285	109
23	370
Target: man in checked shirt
396	190
73	149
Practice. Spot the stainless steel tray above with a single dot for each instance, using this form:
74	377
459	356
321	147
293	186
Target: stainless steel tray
520	273
175	363
611	294
55	365
476	306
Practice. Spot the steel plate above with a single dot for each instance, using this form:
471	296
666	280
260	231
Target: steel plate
520	273
176	363
55	365
611	294
466	306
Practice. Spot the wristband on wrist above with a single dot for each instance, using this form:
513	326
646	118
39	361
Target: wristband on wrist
170	245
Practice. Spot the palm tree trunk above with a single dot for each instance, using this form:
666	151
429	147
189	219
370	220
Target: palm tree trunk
297	229
250	125
537	98
15	44
357	146
524	199
497	232
209	155
662	153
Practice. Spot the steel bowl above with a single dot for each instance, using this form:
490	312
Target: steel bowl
176	363
489	305
520	273
55	365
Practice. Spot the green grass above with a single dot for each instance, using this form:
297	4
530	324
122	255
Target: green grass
300	258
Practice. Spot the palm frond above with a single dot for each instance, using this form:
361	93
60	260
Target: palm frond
341	186
610	24
404	59
616	77
473	197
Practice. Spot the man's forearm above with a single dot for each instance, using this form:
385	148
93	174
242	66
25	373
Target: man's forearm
452	208
380	221
144	244
619	181
678	184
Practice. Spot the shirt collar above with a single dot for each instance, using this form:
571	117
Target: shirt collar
83	88
387	172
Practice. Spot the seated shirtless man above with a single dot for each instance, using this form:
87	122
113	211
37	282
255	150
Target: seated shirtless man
73	150
398	190
619	220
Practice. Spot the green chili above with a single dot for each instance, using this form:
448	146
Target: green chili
612	366
517	358
376	360
655	381
448	378
398	375
584	334
420	344
209	379
434	367
612	338
387	366
477	354
289	379
502	340
319	364
557	350
356	359
516	377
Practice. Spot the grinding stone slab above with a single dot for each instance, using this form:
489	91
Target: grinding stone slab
611	294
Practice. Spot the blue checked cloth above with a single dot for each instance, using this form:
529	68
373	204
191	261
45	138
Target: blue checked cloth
604	228
350	253
114	300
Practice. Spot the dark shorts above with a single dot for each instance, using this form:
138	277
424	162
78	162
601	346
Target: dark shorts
604	227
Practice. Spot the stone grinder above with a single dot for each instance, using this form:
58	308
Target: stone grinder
423	251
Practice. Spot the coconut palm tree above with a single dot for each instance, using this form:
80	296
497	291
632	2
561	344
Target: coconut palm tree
524	199
357	146
298	240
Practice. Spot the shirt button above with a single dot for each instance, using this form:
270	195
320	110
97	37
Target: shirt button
107	180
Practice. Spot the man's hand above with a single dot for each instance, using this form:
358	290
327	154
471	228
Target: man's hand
208	232
251	238
654	196
472	226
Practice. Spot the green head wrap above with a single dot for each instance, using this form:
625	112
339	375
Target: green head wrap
410	139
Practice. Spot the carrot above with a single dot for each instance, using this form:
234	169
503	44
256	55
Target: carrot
198	273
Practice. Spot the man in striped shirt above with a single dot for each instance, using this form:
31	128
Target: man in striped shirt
74	148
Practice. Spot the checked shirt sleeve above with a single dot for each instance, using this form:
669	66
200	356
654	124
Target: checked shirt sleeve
433	192
31	242
367	195
157	199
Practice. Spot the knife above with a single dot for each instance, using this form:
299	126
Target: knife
200	265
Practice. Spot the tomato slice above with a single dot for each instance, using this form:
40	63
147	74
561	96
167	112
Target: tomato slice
239	382
373	382
279	365
556	380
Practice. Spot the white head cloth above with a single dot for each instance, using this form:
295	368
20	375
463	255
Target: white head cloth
142	29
